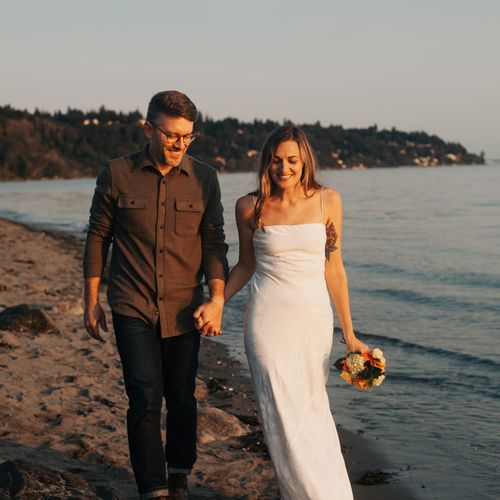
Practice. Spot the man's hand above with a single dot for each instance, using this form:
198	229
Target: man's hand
93	318
208	317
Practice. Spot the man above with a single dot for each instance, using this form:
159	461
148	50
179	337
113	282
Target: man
162	211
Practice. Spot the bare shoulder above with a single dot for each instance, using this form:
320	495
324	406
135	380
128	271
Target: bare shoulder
332	198
245	203
245	207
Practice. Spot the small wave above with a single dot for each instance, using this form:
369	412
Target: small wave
457	386
436	351
11	215
439	301
448	277
489	203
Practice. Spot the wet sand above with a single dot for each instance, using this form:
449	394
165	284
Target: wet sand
63	404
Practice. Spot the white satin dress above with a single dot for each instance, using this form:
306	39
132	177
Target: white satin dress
288	341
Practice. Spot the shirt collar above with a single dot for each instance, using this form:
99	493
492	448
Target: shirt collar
141	160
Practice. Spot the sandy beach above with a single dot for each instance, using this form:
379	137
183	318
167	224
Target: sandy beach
63	404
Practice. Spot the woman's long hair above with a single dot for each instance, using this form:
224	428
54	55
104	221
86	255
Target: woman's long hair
307	179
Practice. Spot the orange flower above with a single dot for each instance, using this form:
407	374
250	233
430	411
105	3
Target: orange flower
362	384
368	356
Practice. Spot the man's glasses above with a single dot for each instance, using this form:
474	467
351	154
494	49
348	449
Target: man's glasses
172	138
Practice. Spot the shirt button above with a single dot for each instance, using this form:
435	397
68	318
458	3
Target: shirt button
161	227
160	276
161	250
163	181
162	203
161	298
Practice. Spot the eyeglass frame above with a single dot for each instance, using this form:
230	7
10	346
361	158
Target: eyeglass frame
186	139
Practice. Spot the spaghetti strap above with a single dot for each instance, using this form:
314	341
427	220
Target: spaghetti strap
321	198
254	201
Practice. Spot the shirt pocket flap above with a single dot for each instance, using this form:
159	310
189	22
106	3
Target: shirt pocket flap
132	202
188	206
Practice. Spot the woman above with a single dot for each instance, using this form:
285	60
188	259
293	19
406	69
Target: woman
289	323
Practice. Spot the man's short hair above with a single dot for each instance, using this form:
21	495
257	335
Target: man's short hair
171	103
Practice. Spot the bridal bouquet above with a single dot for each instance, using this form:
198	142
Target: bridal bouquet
365	370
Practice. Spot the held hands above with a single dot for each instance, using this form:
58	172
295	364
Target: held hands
94	318
208	317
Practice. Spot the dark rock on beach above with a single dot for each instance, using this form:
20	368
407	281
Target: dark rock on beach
22	318
215	424
254	442
20	479
372	477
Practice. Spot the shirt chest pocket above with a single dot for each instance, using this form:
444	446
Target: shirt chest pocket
132	213
188	216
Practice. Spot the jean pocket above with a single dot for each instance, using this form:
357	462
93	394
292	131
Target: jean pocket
188	216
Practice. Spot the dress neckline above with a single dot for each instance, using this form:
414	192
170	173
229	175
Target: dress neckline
292	225
303	223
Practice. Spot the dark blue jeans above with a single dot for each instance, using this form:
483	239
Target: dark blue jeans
154	368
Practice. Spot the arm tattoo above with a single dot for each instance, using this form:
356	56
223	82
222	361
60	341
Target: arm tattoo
331	239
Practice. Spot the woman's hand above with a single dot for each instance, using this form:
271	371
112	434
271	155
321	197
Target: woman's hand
353	344
208	317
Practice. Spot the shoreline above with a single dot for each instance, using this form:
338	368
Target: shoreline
487	163
63	406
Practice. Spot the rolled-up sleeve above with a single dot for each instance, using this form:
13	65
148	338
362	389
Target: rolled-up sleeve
100	226
214	248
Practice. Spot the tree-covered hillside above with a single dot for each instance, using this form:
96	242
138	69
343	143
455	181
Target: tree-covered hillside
76	143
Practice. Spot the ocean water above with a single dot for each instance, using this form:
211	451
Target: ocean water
422	253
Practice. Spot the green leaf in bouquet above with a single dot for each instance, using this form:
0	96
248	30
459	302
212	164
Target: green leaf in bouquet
338	364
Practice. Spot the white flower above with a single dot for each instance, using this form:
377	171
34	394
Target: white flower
356	363
377	381
377	353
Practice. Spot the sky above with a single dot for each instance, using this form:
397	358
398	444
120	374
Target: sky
431	65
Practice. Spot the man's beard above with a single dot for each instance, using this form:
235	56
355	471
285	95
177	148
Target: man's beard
169	160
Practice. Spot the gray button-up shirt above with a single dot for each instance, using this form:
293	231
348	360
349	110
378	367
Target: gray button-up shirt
167	232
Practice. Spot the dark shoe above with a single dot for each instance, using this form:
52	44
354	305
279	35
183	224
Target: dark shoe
178	486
